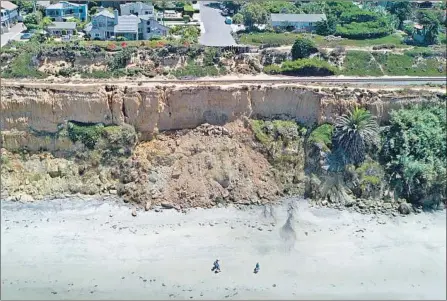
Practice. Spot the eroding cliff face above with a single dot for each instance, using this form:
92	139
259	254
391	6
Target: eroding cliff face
43	108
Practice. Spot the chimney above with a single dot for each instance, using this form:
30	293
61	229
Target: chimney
115	13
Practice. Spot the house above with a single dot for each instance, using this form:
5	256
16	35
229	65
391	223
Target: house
102	25
301	22
64	10
106	25
59	29
43	4
137	9
9	15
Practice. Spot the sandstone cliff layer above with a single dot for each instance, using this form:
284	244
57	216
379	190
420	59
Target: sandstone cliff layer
33	110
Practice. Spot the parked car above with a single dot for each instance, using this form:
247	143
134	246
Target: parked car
26	36
228	20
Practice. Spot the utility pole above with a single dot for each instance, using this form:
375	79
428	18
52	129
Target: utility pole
34	6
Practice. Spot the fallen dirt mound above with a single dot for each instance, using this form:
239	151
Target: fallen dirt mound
204	167
207	166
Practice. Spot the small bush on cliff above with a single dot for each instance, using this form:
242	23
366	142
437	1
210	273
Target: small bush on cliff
88	134
367	180
322	135
120	59
272	69
120	136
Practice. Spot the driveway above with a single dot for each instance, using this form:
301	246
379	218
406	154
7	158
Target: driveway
13	34
217	33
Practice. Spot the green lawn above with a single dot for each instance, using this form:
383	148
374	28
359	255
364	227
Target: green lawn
360	63
288	38
407	64
395	39
415	62
259	38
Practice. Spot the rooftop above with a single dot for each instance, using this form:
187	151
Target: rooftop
105	13
127	24
62	4
8	5
62	25
138	5
298	17
43	3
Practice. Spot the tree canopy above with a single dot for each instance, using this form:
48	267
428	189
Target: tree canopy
253	14
303	48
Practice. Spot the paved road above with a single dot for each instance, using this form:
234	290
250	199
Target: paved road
13	34
217	33
78	250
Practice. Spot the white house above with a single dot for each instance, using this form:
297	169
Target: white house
137	9
59	29
105	24
9	15
301	22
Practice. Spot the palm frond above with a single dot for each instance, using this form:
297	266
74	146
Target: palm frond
354	133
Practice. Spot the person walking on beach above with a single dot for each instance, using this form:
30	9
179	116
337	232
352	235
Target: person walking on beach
256	270
216	266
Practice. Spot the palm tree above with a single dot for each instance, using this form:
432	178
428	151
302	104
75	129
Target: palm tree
353	133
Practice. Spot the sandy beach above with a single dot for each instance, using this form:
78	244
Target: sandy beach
91	249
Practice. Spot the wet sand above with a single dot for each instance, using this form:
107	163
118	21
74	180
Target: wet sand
89	249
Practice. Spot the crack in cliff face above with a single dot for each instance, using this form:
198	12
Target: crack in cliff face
249	103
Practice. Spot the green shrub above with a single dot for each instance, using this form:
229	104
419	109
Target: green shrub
369	178
66	72
322	135
23	67
120	59
238	18
88	134
302	48
414	153
272	69
211	56
308	67
276	130
124	135
358	16
193	69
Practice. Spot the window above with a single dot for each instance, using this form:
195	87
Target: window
148	30
148	23
146	12
97	35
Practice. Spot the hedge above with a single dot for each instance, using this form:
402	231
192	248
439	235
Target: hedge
364	30
303	67
308	67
